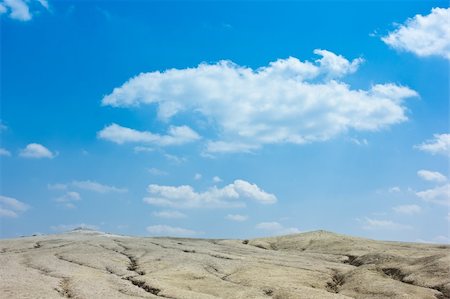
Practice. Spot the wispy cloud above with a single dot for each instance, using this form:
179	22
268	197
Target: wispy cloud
229	196
438	195
21	9
275	228
69	227
156	172
166	230
288	101
427	35
216	179
432	176
57	186
175	136
377	224
97	187
236	217
11	207
394	189
69	196
407	209
169	214
440	144
4	152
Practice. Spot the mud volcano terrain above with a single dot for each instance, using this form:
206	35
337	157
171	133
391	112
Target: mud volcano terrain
88	264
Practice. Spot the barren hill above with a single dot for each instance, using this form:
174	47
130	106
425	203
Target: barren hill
89	264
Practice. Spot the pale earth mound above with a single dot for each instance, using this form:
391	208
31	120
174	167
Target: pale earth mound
89	264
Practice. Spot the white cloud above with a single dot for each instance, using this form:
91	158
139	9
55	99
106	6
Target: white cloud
69	196
432	176
276	228
427	35
335	66
121	135
175	159
441	239
56	186
169	214
440	144
97	187
229	196
269	226
68	227
142	149
5	152
197	176
44	3
376	224
236	217
435	240
448	216
5	213
11	207
70	205
407	209
217	179
360	142
20	9
156	171
165	230
438	195
36	151
288	101
394	189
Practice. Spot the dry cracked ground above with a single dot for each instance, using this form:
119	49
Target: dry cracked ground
89	264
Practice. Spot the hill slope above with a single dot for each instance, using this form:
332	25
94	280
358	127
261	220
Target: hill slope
87	264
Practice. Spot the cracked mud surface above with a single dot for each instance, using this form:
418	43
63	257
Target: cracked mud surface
88	264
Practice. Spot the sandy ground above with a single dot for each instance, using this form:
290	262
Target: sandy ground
88	264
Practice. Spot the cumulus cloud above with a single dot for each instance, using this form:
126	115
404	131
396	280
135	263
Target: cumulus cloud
21	9
236	217
4	152
440	144
407	209
427	35
432	176
97	187
175	136
11	207
288	101
438	195
36	151
276	228
169	214
229	196
376	224
166	230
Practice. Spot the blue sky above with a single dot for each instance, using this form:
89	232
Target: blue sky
225	119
